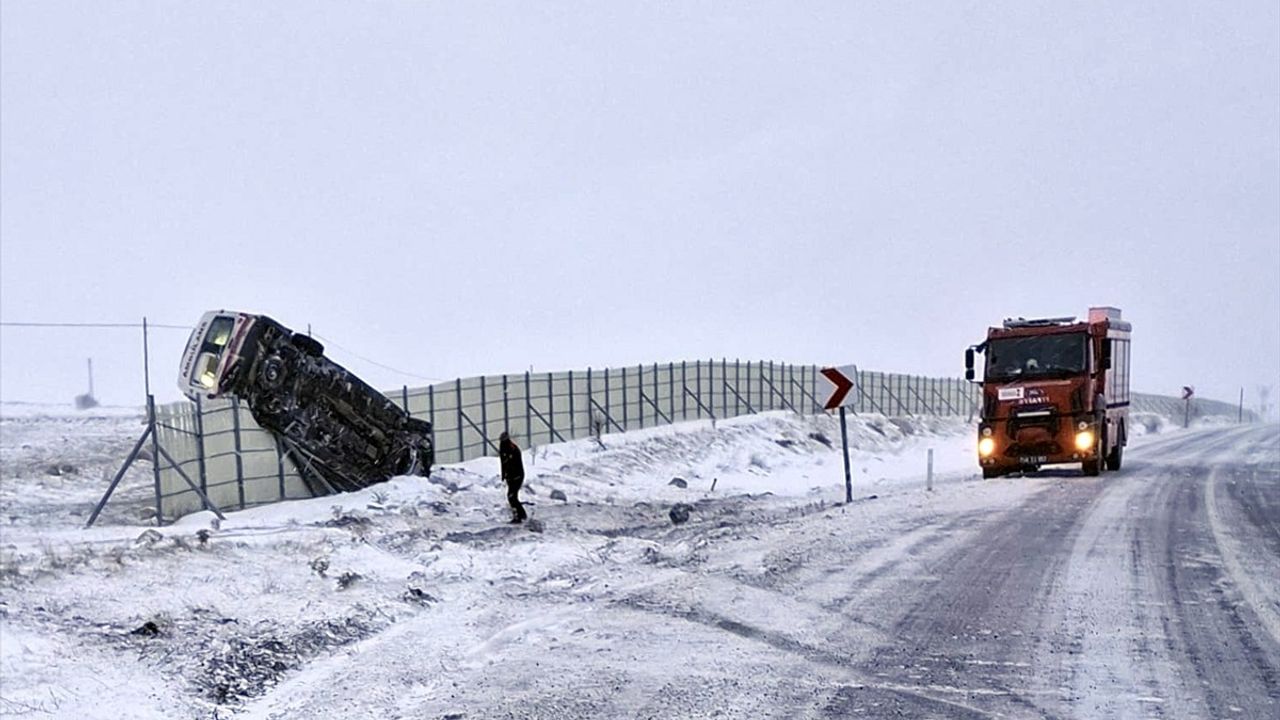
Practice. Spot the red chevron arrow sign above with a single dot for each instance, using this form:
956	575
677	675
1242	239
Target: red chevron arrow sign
840	382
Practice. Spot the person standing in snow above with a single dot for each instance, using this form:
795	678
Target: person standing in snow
513	474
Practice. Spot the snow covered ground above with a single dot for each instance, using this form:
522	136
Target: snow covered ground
415	599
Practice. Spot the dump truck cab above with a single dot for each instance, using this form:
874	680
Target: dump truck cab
1054	391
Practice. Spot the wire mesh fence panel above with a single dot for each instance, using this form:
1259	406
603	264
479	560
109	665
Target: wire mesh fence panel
225	452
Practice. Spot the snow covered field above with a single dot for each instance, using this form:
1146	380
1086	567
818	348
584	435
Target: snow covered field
414	599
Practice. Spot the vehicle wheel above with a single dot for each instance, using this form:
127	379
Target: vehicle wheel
405	462
1093	468
1116	456
308	345
267	409
272	373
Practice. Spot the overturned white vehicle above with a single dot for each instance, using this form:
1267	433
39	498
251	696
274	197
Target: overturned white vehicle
341	433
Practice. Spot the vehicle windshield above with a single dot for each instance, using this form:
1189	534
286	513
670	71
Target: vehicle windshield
1036	356
216	337
205	371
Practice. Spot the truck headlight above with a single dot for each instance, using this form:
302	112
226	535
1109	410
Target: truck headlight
1084	440
986	446
207	379
986	432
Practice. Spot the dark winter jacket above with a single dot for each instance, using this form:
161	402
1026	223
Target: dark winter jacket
512	464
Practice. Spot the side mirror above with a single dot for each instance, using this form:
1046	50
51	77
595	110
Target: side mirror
968	364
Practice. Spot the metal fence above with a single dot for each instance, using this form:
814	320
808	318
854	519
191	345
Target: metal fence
1198	409
220	448
238	465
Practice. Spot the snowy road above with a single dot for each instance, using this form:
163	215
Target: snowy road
1151	593
1147	593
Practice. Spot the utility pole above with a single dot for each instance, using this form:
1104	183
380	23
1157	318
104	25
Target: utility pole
1240	414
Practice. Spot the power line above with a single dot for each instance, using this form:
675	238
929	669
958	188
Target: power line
358	356
149	325
162	326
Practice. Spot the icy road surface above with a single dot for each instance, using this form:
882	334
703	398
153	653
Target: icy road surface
1153	592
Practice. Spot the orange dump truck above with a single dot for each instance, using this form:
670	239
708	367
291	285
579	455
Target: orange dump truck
1054	391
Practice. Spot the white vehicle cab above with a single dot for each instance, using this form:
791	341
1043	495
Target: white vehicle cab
211	352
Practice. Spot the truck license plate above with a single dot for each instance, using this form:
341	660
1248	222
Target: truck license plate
1034	459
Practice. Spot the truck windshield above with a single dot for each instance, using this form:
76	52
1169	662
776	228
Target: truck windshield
1037	356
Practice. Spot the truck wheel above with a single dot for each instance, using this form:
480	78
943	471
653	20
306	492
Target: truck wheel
1093	468
272	373
308	345
1115	457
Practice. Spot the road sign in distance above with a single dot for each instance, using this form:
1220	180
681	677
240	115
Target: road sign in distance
839	381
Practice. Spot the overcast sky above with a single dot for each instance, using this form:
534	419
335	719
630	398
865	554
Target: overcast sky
463	188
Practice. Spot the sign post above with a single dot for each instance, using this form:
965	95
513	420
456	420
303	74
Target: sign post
1187	392
844	439
839	384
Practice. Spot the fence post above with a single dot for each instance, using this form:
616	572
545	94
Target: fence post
608	406
551	407
684	390
773	387
655	396
724	386
235	428
204	477
625	422
280	465
528	412
760	384
640	395
671	389
484	417
591	421
573	424
506	409
813	388
155	452
738	399
697	379
404	399
431	411
789	372
458	401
